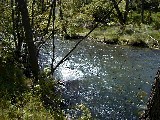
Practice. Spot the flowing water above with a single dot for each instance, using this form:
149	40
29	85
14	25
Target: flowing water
113	82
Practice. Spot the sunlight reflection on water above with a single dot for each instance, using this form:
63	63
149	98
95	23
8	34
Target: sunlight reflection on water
69	74
112	81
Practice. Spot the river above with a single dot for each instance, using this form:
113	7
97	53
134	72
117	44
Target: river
112	81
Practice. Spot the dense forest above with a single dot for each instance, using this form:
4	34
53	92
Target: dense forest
30	92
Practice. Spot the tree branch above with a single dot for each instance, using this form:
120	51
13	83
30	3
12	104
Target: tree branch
67	55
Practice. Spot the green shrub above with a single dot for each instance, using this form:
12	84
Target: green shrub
139	40
156	21
136	18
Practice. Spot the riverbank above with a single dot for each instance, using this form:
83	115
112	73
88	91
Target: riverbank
132	35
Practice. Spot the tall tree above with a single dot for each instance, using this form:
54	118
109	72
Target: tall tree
122	17
29	38
53	32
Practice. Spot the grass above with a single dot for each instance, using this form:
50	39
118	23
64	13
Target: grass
133	35
27	105
31	108
31	104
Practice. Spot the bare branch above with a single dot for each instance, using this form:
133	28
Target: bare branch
96	25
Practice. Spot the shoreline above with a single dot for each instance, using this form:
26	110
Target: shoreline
139	36
138	44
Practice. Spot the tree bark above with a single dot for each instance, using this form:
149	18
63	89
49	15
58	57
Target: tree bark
53	33
29	38
19	33
43	6
33	3
49	18
122	17
153	106
126	10
119	13
13	23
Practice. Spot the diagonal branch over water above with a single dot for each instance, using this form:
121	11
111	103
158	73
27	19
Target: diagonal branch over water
95	26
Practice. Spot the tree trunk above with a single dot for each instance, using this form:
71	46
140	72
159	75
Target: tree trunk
49	17
19	33
53	32
64	30
29	38
119	13
126	11
43	6
142	11
13	23
33	3
153	106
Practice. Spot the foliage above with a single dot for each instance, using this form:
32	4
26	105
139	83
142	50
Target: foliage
135	18
156	22
5	18
96	9
31	107
22	100
11	76
19	98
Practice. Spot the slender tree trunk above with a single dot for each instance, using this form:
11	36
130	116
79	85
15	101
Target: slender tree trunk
131	3
33	3
64	30
126	10
49	17
19	30
13	22
29	38
150	16
53	33
43	6
142	11
48	23
119	13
